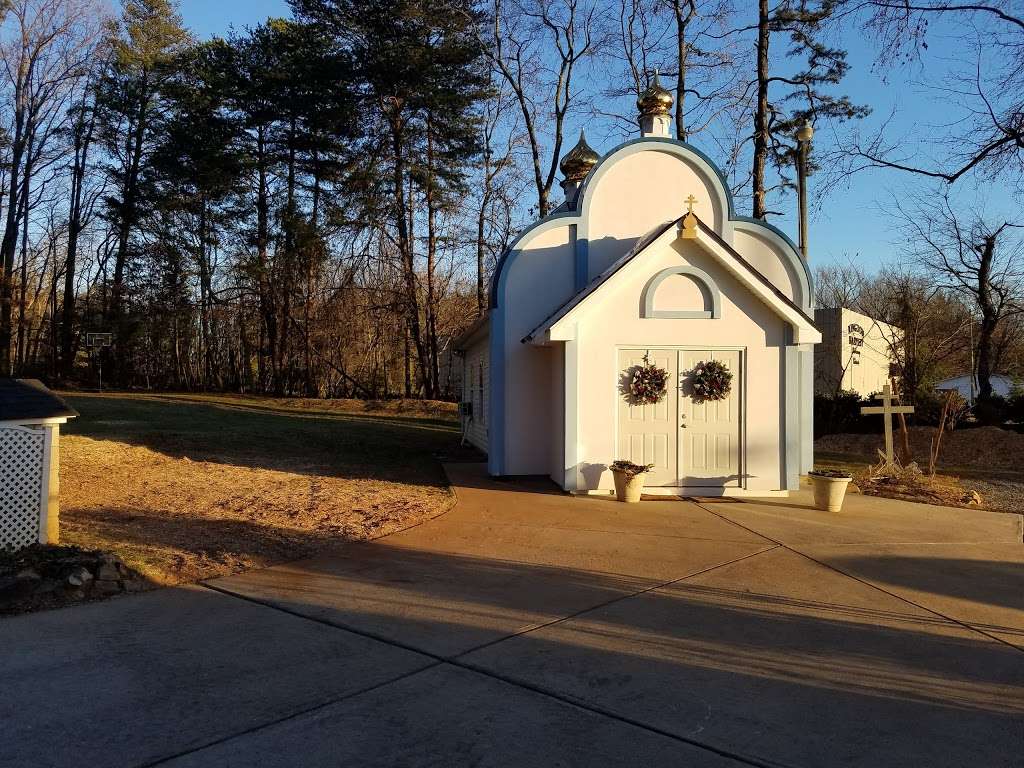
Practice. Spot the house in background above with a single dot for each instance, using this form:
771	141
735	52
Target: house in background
647	260
855	353
1001	386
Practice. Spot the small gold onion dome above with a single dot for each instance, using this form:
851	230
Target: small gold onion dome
656	100
579	160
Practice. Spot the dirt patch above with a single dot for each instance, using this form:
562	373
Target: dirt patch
979	447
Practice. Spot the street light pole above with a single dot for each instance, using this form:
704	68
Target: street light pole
803	141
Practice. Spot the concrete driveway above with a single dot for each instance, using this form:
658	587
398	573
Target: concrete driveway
527	628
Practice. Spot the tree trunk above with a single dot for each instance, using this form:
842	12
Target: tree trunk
682	51
481	221
434	373
989	316
23	287
126	222
67	329
405	247
761	112
9	245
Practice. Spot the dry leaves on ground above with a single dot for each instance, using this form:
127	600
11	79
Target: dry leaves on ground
978	447
178	520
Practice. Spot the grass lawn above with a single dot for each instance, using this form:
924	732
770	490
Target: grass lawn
185	487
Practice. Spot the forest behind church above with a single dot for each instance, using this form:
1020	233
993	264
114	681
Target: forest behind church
314	205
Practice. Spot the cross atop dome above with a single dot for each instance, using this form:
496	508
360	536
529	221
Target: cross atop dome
575	166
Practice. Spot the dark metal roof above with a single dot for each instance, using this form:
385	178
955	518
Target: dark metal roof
30	399
750	268
598	281
466	337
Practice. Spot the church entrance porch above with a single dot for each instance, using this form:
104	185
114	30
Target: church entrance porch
692	444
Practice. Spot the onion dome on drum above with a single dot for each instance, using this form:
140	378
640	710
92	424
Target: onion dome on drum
579	160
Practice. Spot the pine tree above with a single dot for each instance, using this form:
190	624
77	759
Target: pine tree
146	44
421	75
194	170
795	98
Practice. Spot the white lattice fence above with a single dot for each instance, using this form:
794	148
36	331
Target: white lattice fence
22	472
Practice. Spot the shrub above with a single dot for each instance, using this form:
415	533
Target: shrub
841	413
1015	405
991	411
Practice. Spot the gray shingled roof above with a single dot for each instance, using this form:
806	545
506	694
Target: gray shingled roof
30	399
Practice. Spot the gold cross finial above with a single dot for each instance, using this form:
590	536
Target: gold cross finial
690	220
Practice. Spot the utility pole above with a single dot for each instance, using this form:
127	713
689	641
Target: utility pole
803	144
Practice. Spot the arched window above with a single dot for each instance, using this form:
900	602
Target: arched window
681	292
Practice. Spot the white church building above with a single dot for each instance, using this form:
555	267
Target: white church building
647	259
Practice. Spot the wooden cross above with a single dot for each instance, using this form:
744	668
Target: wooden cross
887	409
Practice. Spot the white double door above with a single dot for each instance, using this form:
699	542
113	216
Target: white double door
690	442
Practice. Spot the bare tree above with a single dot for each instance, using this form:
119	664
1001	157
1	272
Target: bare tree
46	50
928	326
83	198
496	176
975	255
985	86
520	41
839	285
685	37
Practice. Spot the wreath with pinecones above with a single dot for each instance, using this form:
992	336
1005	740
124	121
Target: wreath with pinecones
648	383
711	380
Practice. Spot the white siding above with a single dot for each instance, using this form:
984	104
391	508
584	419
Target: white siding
476	384
855	353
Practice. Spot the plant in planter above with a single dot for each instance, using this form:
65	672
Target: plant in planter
829	488
629	479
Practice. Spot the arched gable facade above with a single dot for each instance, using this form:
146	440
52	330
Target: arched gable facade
633	190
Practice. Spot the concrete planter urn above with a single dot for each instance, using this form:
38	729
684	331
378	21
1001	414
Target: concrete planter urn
829	488
629	480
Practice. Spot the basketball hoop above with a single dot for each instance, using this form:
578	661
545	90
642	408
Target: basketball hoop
95	342
98	340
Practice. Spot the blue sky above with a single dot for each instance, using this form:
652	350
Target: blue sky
854	221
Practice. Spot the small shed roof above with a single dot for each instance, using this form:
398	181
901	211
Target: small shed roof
30	400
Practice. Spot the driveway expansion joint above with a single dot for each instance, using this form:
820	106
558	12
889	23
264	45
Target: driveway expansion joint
611	601
457	662
970	627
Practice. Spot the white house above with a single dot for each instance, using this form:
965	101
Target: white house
624	271
1001	385
856	352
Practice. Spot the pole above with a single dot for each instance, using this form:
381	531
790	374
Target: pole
803	145
972	376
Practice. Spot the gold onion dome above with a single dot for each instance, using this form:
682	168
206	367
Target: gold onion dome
656	100
579	160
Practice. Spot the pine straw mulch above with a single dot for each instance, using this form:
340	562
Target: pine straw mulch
988	460
911	484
